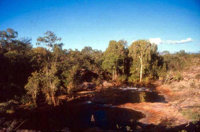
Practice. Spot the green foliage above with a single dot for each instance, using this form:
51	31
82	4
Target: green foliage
49	70
45	81
178	77
50	40
178	61
80	66
145	61
142	96
69	78
15	64
123	78
115	58
33	85
192	114
6	38
173	76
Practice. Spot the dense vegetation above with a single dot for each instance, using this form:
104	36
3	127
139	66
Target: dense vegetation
47	71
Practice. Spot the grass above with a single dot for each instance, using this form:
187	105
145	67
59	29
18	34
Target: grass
192	113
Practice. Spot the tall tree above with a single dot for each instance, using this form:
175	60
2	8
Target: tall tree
49	79
114	58
15	64
6	38
141	52
49	40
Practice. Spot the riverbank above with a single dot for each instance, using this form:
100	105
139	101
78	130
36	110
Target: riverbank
165	114
166	105
182	102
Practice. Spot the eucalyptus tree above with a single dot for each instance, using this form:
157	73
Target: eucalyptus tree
7	37
49	40
47	77
141	53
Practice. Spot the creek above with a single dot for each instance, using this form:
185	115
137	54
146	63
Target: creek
99	112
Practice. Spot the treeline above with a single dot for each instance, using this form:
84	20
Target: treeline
47	71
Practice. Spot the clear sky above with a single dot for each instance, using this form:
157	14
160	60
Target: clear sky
173	24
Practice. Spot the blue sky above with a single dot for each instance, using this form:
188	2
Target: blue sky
173	24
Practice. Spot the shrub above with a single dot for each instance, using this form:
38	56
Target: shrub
133	78
25	99
192	114
147	80
122	78
178	77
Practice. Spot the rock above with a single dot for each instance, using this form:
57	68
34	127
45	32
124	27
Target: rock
87	86
107	84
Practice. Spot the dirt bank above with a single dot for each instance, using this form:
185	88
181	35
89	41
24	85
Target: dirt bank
182	99
159	113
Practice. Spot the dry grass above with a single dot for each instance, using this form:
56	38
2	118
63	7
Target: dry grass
185	94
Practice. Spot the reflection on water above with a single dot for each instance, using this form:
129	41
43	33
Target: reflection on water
142	96
129	95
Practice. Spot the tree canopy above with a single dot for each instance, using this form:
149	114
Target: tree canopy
50	70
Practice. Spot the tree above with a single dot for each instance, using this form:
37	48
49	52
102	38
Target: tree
33	85
141	52
114	58
50	40
7	37
81	66
93	57
48	75
177	61
53	44
50	83
15	64
44	81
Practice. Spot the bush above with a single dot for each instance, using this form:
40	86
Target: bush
173	76
25	99
122	78
97	82
147	80
133	78
192	114
178	77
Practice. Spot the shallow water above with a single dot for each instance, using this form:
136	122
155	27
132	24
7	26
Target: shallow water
99	112
117	96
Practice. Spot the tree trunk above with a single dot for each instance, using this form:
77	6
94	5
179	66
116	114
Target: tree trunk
141	68
53	100
116	74
113	75
124	66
